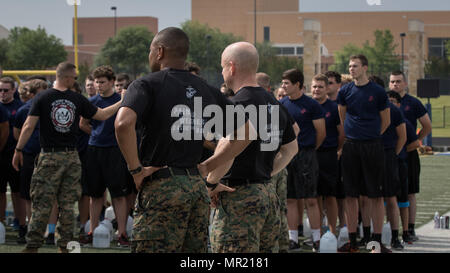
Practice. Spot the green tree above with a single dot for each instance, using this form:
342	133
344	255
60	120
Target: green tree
206	47
274	65
128	51
381	55
3	50
437	68
33	49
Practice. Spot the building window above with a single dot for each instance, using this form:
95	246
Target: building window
288	50
436	47
266	34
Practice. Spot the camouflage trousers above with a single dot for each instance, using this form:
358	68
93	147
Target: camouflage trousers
247	220
171	215
56	178
280	182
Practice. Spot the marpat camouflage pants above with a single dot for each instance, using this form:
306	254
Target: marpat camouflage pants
171	215
56	178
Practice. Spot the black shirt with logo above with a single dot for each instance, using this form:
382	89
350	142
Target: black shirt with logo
164	104
59	115
256	162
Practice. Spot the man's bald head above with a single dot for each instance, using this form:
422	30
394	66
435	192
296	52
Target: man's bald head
243	55
174	41
263	80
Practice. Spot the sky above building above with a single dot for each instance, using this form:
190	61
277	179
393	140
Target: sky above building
56	15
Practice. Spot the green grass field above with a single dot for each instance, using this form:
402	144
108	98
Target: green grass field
434	196
440	116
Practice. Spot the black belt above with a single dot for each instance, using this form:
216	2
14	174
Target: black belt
171	171
241	182
58	149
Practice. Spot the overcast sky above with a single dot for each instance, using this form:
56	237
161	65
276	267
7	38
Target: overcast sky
56	15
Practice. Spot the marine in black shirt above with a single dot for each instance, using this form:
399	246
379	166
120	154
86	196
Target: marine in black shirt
247	219
172	209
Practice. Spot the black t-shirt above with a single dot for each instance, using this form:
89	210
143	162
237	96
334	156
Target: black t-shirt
158	99
59	114
256	161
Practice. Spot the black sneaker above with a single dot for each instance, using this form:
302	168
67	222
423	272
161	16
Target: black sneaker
50	240
293	245
363	242
412	235
396	244
347	248
384	249
407	239
316	246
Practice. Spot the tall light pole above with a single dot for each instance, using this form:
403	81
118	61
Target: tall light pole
115	19
75	4
402	36
254	6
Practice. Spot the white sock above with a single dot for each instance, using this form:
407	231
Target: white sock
293	235
315	234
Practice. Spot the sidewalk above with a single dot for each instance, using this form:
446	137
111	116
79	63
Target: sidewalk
431	240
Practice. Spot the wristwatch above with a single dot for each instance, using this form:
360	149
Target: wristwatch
209	185
136	171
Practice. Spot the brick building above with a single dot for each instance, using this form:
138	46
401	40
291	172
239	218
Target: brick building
95	31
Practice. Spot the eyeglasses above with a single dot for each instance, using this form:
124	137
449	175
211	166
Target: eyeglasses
4	90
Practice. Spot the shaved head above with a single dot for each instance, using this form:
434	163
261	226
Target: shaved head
243	55
174	40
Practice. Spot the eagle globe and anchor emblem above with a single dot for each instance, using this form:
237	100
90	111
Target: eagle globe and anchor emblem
63	115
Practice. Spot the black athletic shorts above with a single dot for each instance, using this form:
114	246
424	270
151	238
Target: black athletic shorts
8	174
413	172
106	168
328	171
340	194
402	198
303	172
84	186
391	186
26	172
363	168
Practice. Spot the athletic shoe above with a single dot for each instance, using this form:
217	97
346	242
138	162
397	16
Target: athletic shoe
363	242
396	244
316	246
50	240
412	235
293	245
407	239
86	239
16	225
384	249
123	241
308	243
347	248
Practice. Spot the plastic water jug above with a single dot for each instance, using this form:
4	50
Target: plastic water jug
101	238
328	243
306	228
87	227
386	234
109	213
343	237
2	233
109	226
437	223
129	226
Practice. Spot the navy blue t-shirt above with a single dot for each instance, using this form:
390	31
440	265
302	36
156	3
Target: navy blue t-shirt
33	145
413	109
4	115
364	104
332	121
103	134
390	136
411	136
12	108
304	110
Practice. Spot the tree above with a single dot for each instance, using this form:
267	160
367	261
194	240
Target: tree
4	45
274	65
437	68
382	57
128	51
33	49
